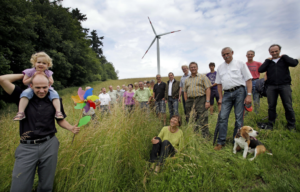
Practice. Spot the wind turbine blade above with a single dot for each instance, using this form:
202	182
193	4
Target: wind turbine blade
168	33
152	26
149	47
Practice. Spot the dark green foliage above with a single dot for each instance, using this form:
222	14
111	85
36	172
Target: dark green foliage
27	27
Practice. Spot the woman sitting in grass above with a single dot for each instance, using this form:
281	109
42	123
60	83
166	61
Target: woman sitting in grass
168	142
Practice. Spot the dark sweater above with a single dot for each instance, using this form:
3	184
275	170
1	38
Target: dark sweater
278	73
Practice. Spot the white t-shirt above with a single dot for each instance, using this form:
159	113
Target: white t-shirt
170	87
276	60
236	73
104	99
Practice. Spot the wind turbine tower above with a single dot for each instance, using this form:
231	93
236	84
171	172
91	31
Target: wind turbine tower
157	37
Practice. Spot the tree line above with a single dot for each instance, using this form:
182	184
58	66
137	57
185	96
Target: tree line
29	26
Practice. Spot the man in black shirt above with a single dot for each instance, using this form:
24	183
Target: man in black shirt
158	95
279	81
38	144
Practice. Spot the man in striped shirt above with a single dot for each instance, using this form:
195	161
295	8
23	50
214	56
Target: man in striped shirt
197	97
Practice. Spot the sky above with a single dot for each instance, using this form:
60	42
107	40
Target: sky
206	27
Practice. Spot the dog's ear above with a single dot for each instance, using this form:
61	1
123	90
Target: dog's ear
245	135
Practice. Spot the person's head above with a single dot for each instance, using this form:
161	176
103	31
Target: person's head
118	88
152	82
227	54
158	78
175	121
136	85
103	90
141	85
212	66
193	68
123	86
40	85
171	76
145	82
250	54
88	87
110	88
185	69
41	61
148	83
130	86
274	51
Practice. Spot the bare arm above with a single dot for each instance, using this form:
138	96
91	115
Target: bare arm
207	92
7	80
215	84
26	80
66	125
185	96
220	93
51	81
248	98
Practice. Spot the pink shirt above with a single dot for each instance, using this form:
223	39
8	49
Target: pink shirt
128	98
30	72
253	68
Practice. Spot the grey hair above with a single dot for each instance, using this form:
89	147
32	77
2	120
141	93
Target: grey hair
152	81
274	46
170	73
184	66
227	48
158	74
251	51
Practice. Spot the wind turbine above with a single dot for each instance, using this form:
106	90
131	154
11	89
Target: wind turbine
157	37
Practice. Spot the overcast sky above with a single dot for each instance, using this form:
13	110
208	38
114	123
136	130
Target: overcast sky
206	27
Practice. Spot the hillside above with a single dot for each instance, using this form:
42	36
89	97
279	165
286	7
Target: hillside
111	153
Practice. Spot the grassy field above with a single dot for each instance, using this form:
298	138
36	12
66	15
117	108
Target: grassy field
111	153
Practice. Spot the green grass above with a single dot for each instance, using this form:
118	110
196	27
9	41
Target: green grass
111	153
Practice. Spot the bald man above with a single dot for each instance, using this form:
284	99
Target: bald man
38	146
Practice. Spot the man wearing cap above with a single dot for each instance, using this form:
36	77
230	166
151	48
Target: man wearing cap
231	77
38	146
253	67
197	97
279	83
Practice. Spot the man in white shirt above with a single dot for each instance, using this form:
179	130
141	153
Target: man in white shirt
104	99
232	77
172	95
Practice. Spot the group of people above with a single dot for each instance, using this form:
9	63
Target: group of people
232	85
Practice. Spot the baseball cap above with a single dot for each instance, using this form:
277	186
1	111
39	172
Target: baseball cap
248	107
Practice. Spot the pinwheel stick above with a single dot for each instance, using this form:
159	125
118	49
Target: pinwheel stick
77	124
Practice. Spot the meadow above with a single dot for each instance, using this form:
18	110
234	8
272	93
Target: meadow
111	152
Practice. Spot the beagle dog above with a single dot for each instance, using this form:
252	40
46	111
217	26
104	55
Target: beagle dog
245	138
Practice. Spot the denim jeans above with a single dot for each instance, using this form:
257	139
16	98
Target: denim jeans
285	93
255	95
231	99
28	93
173	106
144	106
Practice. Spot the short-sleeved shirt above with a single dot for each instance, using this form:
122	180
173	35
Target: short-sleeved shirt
113	96
212	78
159	91
104	99
176	139
253	67
182	80
120	93
128	98
196	86
142	95
30	72
234	74
39	121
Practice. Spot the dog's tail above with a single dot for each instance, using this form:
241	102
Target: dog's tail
268	152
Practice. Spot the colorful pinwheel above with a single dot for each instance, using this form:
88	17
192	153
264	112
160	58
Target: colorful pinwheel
84	100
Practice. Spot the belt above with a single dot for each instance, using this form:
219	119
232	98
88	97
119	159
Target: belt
255	79
42	140
233	89
193	97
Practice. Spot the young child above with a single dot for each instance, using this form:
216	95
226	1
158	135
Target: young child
40	62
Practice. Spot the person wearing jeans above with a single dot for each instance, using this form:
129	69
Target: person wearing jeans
231	77
172	94
279	81
253	67
186	74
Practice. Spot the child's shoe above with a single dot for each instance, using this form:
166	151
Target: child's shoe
20	116
59	115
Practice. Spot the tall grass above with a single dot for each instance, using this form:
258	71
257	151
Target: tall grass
111	153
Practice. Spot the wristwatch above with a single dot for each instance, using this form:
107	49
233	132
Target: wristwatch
250	94
207	101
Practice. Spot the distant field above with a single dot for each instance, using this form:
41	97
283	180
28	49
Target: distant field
111	153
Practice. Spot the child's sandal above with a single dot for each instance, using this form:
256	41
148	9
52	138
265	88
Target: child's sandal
20	116
59	115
